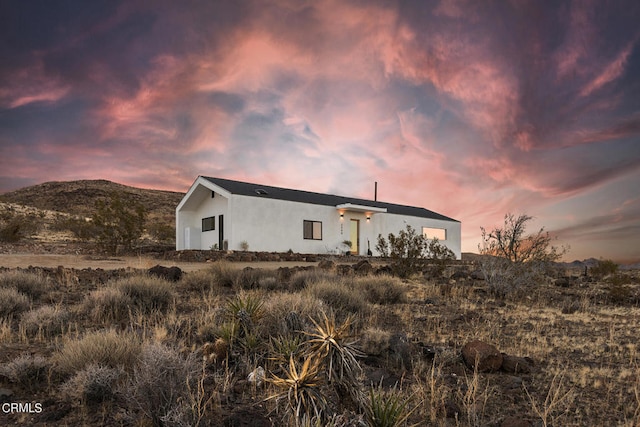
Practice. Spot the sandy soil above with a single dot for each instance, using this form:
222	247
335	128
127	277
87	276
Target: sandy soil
110	263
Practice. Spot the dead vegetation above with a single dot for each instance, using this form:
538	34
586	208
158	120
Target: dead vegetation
223	346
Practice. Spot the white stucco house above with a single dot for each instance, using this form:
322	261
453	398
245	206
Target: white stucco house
225	214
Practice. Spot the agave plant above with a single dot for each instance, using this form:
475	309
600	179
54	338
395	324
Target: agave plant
301	387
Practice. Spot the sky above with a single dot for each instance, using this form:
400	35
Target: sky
472	109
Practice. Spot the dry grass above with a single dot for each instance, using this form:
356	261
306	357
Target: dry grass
107	348
30	284
12	302
583	344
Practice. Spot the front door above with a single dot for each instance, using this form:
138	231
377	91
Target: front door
221	232
354	236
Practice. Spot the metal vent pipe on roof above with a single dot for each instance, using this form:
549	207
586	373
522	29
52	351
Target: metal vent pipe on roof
375	192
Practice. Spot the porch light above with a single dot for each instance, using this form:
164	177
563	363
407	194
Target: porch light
368	218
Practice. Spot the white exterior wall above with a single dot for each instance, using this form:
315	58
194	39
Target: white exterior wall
201	205
277	225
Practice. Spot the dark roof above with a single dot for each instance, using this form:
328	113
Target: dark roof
268	192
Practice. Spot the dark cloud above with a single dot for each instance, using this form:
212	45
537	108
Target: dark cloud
509	106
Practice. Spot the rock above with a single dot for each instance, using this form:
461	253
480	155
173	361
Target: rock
516	365
326	264
5	395
362	268
344	270
284	274
383	270
477	275
172	274
256	377
401	349
485	356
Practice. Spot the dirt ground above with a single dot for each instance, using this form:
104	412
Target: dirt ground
24	260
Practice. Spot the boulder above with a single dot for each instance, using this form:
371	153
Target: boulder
515	364
362	268
485	356
344	270
172	274
326	264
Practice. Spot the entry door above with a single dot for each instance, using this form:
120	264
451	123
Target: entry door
221	232
354	236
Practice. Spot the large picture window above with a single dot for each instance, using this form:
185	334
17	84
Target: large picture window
431	233
312	230
209	224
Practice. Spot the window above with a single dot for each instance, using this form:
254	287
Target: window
431	233
312	230
209	224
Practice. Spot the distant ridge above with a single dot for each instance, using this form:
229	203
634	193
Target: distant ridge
79	197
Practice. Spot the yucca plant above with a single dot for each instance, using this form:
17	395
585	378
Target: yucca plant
333	344
301	391
386	409
283	347
246	309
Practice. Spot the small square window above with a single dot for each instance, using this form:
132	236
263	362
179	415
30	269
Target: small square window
209	224
312	230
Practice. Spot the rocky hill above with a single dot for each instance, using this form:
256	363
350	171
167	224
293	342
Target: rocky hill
46	217
80	197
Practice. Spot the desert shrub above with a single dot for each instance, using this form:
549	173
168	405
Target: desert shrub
510	260
93	384
118	222
147	294
339	295
224	273
303	278
12	302
409	249
250	278
46	321
27	370
160	384
604	268
286	314
162	233
31	284
381	289
105	348
16	227
269	283
617	291
79	227
108	304
375	341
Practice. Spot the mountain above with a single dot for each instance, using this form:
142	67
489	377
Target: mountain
79	197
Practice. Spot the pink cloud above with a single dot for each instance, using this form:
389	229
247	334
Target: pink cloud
610	72
30	85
